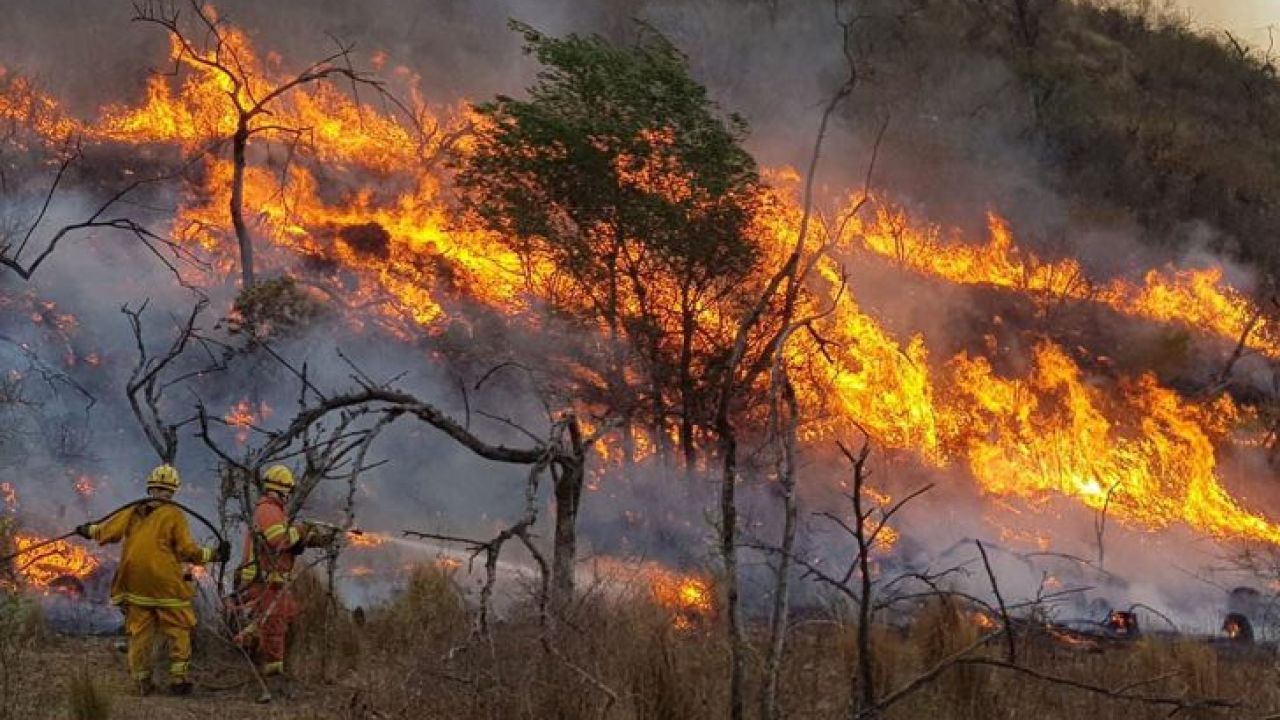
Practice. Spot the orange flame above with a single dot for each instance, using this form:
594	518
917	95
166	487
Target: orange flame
1195	299
243	416
364	204
689	598
359	538
24	106
44	566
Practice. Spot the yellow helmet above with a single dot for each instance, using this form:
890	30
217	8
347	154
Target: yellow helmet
278	478
165	476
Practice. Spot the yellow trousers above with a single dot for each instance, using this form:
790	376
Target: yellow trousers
143	623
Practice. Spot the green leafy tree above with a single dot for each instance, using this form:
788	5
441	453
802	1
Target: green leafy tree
619	172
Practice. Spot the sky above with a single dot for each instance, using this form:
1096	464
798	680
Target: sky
1249	18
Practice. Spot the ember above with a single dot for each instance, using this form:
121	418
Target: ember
1122	624
983	621
689	598
1238	628
243	416
84	485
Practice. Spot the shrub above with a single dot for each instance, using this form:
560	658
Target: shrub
273	309
86	699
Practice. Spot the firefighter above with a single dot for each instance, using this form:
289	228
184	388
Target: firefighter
149	584
266	573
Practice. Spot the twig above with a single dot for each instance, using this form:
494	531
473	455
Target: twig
928	676
1004	611
1177	704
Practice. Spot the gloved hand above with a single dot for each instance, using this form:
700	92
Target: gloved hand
328	536
84	531
224	552
319	535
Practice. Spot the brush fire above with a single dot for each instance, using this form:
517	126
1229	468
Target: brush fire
60	566
640	311
1051	431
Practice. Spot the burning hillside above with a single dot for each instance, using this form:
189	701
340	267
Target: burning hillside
352	195
558	380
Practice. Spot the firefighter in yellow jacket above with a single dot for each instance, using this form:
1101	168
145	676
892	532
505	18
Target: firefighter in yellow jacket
149	584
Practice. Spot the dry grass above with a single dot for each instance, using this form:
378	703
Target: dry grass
419	657
85	698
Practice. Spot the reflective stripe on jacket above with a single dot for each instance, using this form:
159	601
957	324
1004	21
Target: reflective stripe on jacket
277	539
157	541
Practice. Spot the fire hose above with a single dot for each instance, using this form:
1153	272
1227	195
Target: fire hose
164	501
335	530
266	693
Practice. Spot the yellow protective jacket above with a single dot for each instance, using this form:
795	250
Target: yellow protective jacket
157	540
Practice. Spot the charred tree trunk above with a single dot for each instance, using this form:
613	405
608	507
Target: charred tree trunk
568	493
687	399
864	706
239	143
661	445
729	555
626	433
782	586
619	388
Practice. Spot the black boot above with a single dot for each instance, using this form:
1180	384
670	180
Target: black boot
180	687
143	686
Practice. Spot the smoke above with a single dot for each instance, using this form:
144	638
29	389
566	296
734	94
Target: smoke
1250	17
957	142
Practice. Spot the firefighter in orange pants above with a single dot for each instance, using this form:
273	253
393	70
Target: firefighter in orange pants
149	584
263	581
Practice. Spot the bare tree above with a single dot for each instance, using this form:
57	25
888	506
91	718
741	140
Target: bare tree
866	527
250	98
25	246
866	534
785	284
153	375
329	432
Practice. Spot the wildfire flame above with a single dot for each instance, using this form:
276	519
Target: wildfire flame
688	598
44	566
243	416
396	245
360	538
1197	299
